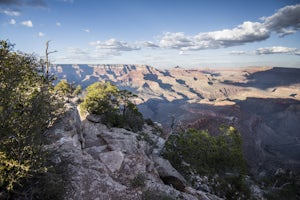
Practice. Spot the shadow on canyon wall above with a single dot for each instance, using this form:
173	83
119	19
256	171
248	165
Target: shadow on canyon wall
274	77
269	127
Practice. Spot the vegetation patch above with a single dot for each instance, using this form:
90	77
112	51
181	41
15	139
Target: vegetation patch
282	186
115	106
196	152
138	181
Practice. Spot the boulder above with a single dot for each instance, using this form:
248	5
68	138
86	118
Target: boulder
118	139
113	160
96	150
94	118
169	174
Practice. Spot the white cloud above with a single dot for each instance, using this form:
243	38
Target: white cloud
175	41
244	33
77	54
40	34
13	13
114	45
86	30
58	24
285	21
12	22
27	23
276	50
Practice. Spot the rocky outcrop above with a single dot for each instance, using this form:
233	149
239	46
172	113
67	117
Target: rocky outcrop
168	174
107	163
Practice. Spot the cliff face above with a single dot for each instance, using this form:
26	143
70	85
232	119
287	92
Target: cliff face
149	82
113	163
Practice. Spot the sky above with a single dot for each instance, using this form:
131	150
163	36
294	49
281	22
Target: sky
160	33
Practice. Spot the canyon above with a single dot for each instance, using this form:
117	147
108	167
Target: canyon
263	103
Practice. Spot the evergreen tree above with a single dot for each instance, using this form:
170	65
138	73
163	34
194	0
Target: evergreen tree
27	108
114	105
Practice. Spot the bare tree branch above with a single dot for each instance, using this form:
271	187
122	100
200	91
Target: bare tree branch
47	59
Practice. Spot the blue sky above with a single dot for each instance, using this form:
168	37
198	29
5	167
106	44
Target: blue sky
161	33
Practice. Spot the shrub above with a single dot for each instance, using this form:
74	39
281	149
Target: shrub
100	98
208	155
63	88
138	181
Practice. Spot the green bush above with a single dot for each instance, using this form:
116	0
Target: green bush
113	119
114	105
100	98
63	88
197	151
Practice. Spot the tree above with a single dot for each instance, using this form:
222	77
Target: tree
77	90
114	105
27	108
101	98
133	119
125	97
63	88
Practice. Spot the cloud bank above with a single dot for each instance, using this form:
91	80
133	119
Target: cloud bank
285	21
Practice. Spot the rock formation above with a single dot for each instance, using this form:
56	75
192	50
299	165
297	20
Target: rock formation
113	163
